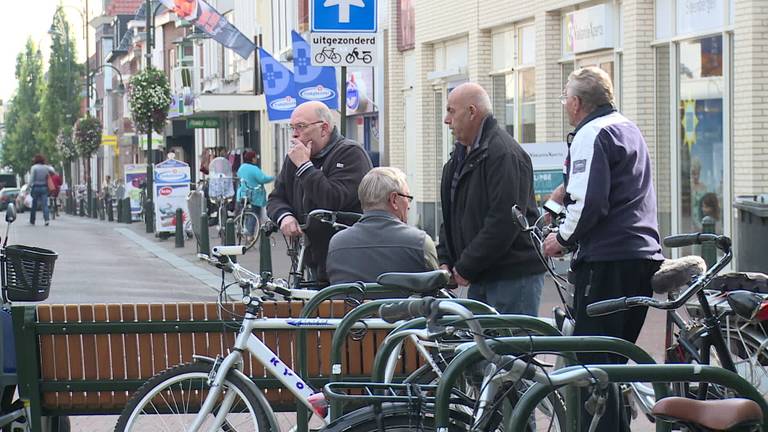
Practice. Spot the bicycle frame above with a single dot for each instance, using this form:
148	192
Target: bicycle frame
247	342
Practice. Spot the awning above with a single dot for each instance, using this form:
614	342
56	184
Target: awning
229	102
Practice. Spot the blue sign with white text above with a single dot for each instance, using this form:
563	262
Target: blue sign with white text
279	88
351	16
313	83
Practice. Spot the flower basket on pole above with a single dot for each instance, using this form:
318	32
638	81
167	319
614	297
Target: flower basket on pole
149	96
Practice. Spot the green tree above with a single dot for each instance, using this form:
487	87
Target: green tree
22	120
61	97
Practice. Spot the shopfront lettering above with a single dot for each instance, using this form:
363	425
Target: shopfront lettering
589	31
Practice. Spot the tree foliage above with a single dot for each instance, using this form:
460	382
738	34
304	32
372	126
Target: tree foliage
87	136
65	144
22	119
150	98
61	98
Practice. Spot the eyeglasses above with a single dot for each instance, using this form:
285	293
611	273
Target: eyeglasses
408	197
301	126
563	98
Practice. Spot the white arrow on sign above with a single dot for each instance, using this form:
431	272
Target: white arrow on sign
344	7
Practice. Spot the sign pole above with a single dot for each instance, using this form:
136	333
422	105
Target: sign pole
343	102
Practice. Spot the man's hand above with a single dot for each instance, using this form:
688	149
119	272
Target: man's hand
299	152
460	279
289	226
552	247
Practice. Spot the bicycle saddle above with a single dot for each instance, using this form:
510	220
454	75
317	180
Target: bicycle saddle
676	273
417	283
717	414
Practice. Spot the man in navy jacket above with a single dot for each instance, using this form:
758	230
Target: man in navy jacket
610	218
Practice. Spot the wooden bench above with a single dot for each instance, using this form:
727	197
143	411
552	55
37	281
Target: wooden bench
87	359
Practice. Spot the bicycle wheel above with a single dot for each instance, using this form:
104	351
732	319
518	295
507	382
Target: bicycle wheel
395	418
748	355
171	399
245	236
549	414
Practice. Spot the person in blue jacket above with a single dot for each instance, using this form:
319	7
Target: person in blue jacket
252	181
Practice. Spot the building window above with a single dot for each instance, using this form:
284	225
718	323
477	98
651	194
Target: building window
700	105
514	81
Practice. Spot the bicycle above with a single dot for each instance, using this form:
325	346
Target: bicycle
25	275
328	53
324	222
247	222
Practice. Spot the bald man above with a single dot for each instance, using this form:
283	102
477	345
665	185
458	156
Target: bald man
322	170
487	174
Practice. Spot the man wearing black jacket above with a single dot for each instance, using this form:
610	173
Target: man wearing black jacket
323	170
487	174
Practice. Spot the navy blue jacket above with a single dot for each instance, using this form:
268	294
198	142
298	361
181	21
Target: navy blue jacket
610	200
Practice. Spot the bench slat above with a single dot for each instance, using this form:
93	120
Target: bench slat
117	355
103	358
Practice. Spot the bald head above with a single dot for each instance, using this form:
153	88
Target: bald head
468	105
312	121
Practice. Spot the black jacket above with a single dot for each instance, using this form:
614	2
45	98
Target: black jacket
330	183
479	237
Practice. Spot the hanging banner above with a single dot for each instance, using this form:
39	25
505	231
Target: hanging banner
135	175
210	21
279	87
171	183
313	83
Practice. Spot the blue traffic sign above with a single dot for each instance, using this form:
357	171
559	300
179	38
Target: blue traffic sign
353	16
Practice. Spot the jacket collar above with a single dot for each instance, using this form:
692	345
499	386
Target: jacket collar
332	141
602	110
379	213
481	142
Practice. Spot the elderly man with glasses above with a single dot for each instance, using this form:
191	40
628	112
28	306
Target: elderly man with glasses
323	170
381	241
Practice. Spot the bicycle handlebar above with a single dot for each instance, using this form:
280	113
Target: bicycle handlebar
723	243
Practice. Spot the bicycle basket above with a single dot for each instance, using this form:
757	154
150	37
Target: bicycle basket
28	272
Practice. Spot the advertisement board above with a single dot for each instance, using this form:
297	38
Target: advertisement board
171	183
134	176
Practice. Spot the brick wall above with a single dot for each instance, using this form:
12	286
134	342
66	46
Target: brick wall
750	114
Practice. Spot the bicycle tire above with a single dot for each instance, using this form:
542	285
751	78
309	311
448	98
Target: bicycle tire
160	394
395	418
242	236
743	347
552	408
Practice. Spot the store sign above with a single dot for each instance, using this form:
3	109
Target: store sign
203	123
158	141
695	16
547	156
590	29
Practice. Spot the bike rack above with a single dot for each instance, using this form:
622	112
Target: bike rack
656	374
372	307
568	345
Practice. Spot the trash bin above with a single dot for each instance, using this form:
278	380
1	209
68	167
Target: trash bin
752	226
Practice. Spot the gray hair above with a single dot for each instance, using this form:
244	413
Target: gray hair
592	85
378	184
324	114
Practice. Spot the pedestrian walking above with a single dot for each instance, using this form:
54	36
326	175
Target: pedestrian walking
38	178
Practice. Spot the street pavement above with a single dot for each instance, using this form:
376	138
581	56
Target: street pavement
107	262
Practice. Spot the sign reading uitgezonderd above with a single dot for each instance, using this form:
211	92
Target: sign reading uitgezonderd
343	49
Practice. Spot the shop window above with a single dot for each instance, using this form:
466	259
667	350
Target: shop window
513	92
701	90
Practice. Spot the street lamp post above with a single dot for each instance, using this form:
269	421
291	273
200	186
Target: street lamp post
149	208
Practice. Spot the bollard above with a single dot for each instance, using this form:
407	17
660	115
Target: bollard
203	242
94	208
708	249
127	215
265	253
82	208
179	228
119	211
229	235
149	214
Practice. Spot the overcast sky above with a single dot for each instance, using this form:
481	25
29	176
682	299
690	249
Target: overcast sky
31	19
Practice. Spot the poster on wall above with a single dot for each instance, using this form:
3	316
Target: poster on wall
172	180
134	176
